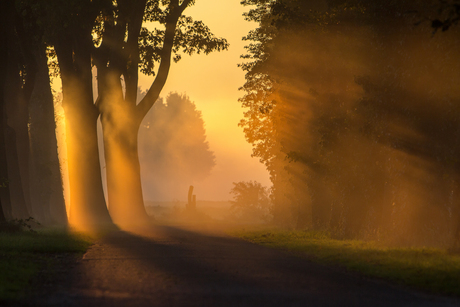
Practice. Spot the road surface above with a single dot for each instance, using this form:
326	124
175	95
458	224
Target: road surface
172	266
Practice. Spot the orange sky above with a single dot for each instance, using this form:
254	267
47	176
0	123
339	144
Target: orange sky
212	82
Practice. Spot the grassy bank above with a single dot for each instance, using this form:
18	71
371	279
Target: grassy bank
24	254
432	270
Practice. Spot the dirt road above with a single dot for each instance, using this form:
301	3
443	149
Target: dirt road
171	266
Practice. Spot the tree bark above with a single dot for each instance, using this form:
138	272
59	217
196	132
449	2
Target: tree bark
18	203
126	203
17	136
6	7
46	181
87	203
121	117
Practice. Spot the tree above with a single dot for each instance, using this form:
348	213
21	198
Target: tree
121	117
251	201
35	173
68	27
173	149
347	121
5	9
120	46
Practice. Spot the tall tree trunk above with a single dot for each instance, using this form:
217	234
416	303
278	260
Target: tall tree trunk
6	7
3	73
46	181
17	137
126	203
18	203
87	203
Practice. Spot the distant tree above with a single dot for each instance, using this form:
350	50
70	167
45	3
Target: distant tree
173	150
251	201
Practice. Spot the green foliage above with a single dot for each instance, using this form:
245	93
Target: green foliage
427	269
191	37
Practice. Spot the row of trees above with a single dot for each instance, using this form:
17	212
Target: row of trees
110	36
353	106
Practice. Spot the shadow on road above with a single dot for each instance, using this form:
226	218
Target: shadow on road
172	266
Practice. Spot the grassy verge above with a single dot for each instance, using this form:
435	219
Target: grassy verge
428	269
24	254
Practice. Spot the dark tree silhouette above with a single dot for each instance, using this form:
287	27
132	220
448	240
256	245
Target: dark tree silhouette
25	72
173	149
5	10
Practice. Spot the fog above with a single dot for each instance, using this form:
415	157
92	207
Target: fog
366	115
174	152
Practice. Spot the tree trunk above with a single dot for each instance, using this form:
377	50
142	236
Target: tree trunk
18	203
5	27
87	203
48	196
17	136
126	203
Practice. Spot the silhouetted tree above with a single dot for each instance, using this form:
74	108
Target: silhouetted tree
173	149
35	183
5	10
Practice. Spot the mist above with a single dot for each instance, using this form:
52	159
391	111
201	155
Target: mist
364	114
174	152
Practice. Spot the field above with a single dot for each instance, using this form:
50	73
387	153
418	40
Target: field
168	211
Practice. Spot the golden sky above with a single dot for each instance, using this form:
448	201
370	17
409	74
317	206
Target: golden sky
212	82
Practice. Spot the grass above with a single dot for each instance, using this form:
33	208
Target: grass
24	254
428	269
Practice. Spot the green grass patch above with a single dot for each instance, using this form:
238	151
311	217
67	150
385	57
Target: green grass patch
24	254
428	269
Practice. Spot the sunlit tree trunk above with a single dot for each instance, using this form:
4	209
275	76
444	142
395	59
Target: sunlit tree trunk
120	126
87	202
46	180
121	117
126	204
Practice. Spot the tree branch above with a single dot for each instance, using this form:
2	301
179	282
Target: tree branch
152	95
131	74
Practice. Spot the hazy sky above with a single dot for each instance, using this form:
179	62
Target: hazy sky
212	82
